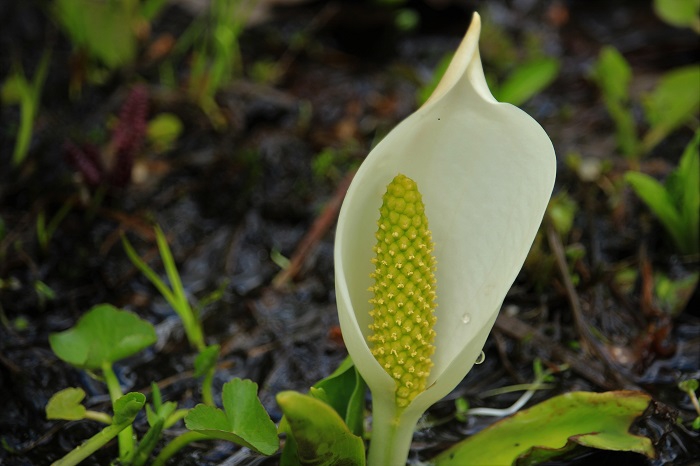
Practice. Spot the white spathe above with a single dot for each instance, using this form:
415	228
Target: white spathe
486	172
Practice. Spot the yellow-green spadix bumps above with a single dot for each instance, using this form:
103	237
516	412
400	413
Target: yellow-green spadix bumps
404	290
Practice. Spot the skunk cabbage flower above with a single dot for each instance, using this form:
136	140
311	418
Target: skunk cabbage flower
481	173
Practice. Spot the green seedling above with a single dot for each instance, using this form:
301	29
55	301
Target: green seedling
676	203
17	89
103	336
674	101
44	292
216	56
243	421
690	387
540	262
524	82
326	438
670	105
106	31
594	420
163	131
160	416
679	13
167	411
125	410
672	296
527	80
44	231
613	75
461	409
173	294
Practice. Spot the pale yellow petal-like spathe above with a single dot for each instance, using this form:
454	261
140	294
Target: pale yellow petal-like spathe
486	172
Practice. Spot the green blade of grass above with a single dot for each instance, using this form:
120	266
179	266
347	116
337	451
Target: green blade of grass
149	273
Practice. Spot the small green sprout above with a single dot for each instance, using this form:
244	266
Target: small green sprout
527	80
163	131
677	202
17	89
160	416
690	386
44	231
670	105
103	336
107	31
125	410
613	75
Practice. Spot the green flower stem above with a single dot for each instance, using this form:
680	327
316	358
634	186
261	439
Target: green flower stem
98	416
126	436
207	392
177	444
91	445
392	433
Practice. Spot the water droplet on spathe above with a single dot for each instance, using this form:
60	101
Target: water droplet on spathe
466	318
481	358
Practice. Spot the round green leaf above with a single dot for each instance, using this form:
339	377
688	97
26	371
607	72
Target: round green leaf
243	421
66	404
104	334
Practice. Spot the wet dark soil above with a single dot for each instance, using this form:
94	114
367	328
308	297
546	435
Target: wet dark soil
231	199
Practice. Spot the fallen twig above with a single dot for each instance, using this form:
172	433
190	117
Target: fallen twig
591	370
588	339
321	225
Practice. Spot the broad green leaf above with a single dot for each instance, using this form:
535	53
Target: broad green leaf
345	391
679	13
243	420
674	101
596	420
104	334
659	201
104	29
323	437
527	80
66	404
